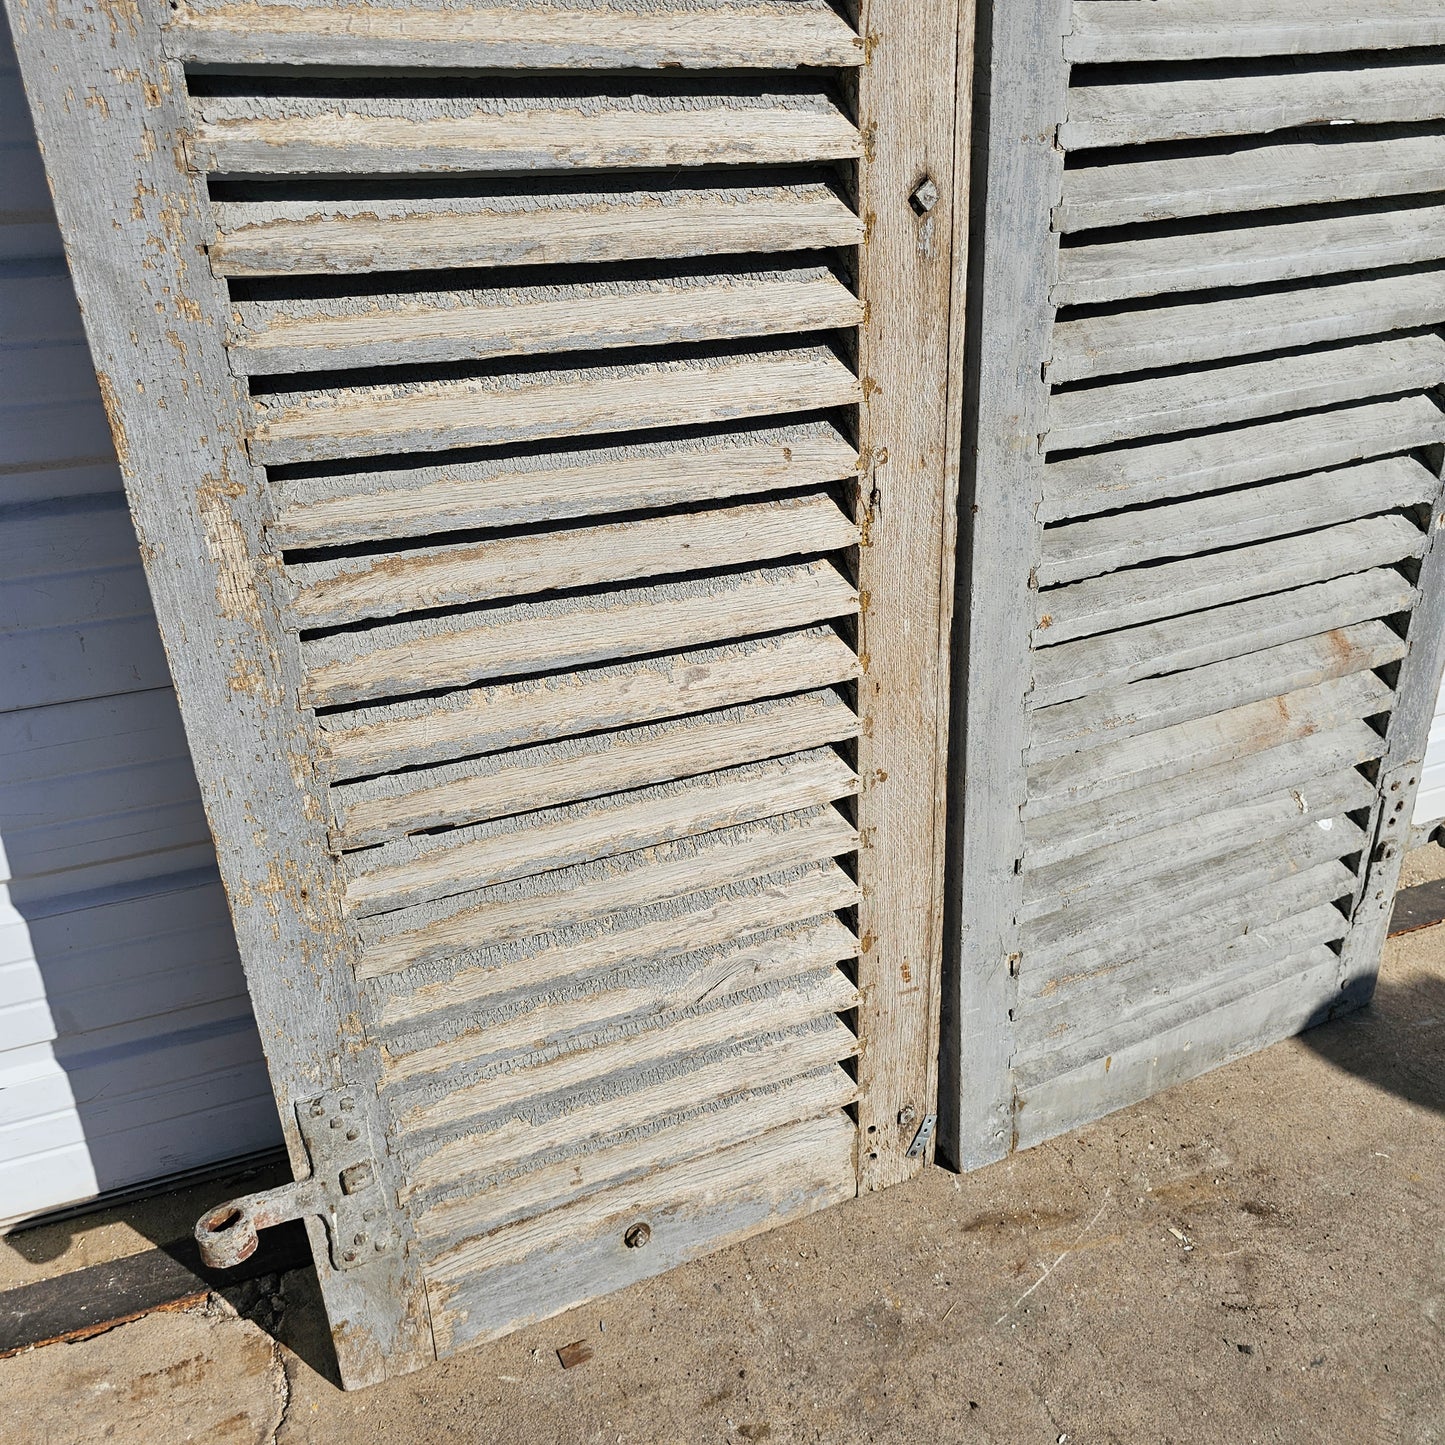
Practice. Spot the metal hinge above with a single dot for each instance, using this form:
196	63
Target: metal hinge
344	1189
921	1138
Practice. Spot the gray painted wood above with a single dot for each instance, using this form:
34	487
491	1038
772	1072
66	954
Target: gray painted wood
1022	171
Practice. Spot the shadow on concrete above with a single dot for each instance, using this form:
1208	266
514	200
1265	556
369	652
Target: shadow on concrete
1396	1042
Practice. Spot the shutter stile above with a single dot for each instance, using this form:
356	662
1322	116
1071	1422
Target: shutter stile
547	362
1209	431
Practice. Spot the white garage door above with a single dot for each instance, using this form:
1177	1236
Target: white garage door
127	1046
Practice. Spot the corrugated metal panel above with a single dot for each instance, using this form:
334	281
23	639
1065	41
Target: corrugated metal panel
127	1044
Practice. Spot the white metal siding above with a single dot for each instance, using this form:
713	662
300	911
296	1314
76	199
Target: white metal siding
127	1045
1430	800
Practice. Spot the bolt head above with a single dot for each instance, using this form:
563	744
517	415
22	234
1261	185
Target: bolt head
925	198
637	1235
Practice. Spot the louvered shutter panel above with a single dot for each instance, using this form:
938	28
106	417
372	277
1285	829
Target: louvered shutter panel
1205	620
535	417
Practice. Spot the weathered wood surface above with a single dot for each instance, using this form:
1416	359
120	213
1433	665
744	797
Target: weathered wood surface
1105	31
431	416
1009	280
1073	669
1318	499
1249	255
179	424
1133	596
913	91
1156	702
484	1290
334	593
407	328
1190	401
1351	92
1251	178
443	496
396	659
1214	461
513	782
1156	337
484	34
307	238
509	715
344	134
1070	832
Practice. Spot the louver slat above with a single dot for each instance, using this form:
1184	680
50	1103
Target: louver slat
760	34
1206	609
1104	30
564	656
1118	115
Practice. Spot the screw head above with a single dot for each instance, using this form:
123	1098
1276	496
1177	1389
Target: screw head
906	1115
637	1235
350	1256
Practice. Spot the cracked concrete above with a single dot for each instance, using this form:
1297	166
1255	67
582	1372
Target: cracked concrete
1258	1255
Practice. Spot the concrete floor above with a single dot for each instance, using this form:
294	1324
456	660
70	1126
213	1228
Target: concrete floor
1256	1256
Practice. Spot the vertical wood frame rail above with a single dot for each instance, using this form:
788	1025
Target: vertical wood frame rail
111	108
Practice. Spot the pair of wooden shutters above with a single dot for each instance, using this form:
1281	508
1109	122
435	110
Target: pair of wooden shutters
535	419
1205	616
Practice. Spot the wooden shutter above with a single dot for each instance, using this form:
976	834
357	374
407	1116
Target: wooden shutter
534	416
1206	609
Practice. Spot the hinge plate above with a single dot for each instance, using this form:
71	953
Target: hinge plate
344	1189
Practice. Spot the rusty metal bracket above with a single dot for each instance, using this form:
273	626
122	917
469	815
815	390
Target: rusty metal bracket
343	1189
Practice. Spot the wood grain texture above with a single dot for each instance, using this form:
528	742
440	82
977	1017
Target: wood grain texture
1350	93
909	268
431	416
760	34
475	326
1213	461
375	505
1213	29
345	136
1251	177
177	417
1249	255
589	228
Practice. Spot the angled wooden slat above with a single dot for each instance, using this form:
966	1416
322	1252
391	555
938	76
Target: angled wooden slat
545	1022
350	134
1130	994
1248	256
302	239
1072	832
1189	886
472	1089
1086	881
515	911
501	784
1319	499
1105	31
1350	93
434	416
407	329
483	34
416	870
397	659
517	975
684	1135
1136	595
1155	337
1176	644
1182	1045
1217	460
520	1273
1176	942
378	504
1188	401
333	593
489	719
1178	697
1250	178
1203	742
